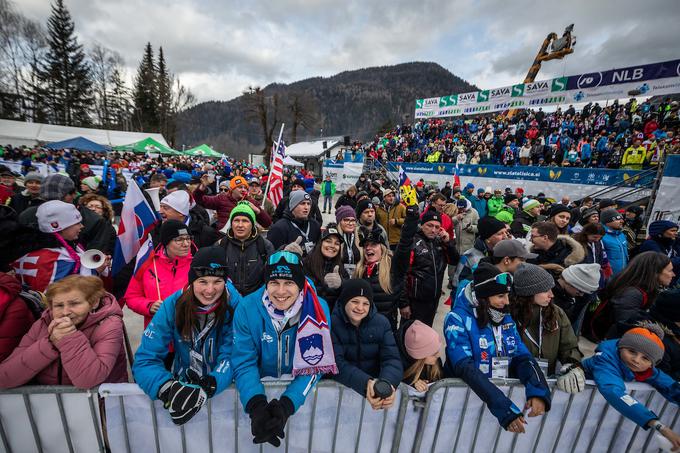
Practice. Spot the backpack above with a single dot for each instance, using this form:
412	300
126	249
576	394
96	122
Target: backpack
35	302
259	243
599	318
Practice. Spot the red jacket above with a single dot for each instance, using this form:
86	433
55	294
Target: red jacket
15	317
90	356
223	203
171	275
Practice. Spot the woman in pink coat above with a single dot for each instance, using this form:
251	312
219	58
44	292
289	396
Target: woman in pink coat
77	341
163	274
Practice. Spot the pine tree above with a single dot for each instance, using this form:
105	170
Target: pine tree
64	79
164	93
146	94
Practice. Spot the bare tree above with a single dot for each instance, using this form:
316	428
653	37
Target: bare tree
104	61
303	113
264	110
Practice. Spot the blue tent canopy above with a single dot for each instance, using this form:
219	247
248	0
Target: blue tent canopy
79	143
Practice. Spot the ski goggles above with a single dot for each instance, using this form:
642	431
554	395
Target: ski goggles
504	279
288	257
213	270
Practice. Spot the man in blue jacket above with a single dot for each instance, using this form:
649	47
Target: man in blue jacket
268	341
614	240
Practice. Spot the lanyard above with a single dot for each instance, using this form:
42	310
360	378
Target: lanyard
197	340
350	248
540	333
306	235
498	338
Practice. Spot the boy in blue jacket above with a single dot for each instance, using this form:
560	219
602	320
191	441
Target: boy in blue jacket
633	357
482	342
281	329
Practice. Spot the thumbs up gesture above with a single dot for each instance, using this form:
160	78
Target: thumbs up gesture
333	279
295	246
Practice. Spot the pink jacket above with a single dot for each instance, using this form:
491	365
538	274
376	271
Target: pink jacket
92	355
142	291
15	317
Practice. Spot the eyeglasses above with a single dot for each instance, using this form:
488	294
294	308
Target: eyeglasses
504	279
289	257
224	189
534	236
180	239
347	220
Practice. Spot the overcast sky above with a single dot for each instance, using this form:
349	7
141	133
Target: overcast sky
220	47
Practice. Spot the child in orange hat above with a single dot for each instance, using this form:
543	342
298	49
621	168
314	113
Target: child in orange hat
633	358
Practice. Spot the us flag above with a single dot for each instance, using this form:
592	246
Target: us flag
275	193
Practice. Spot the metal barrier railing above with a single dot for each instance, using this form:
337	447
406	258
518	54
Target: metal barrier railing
449	418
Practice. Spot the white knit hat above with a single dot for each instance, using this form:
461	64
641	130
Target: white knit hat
584	277
55	215
180	201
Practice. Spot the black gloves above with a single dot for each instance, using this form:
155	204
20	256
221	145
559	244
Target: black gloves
207	383
268	420
182	400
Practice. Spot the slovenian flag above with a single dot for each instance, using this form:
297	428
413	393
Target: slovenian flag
137	219
456	179
403	177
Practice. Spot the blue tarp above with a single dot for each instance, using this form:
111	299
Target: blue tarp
79	143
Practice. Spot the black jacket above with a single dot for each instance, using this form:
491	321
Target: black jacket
521	225
287	230
387	303
565	252
330	295
314	212
429	261
346	200
20	202
364	352
246	261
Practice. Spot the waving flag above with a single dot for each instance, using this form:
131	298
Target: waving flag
41	267
137	219
456	179
403	177
275	193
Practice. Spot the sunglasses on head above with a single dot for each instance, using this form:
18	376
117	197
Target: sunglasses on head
504	279
289	257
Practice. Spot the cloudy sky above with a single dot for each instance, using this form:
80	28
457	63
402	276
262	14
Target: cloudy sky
219	47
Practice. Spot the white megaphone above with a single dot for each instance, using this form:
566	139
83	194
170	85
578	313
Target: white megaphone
92	259
155	198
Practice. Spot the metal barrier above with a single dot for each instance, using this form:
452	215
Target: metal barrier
49	419
334	419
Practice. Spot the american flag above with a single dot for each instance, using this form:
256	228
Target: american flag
275	193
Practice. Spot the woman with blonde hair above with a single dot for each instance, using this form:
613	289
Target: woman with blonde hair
97	203
419	346
77	341
386	272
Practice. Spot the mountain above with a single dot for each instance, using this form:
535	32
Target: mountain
356	103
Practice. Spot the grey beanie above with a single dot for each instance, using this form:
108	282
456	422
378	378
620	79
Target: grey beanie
645	339
531	279
609	215
584	277
33	176
296	197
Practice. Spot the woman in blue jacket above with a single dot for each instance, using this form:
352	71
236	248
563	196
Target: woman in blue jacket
198	322
364	345
482	342
633	358
280	329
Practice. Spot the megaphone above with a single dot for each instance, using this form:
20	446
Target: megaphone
155	198
92	259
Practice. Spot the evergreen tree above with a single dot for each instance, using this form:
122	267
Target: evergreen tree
146	94
63	75
164	95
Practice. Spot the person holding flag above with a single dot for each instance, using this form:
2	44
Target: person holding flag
164	271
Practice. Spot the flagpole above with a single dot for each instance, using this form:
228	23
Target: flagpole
271	161
155	271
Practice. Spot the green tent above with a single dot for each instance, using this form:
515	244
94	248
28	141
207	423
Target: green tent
148	145
203	151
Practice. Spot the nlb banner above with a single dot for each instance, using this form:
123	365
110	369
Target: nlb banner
642	80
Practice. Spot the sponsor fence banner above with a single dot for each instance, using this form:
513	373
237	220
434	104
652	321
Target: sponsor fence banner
641	80
666	205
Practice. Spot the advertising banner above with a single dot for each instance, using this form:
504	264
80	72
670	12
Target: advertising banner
666	206
641	80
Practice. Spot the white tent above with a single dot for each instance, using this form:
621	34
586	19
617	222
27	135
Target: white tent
18	133
292	162
310	149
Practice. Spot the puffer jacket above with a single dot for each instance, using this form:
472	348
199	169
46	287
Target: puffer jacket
521	225
558	344
260	351
387	303
365	352
246	261
565	252
480	205
15	317
469	353
466	230
610	374
216	349
167	276
616	246
223	203
90	356
494	205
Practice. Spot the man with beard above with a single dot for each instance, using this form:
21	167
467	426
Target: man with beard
296	224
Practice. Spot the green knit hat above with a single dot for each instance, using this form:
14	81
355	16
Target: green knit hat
504	216
243	209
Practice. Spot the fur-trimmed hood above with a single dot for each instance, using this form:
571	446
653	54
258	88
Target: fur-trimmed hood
564	253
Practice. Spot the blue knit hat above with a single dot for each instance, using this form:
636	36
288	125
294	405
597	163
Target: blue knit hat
659	227
469	186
